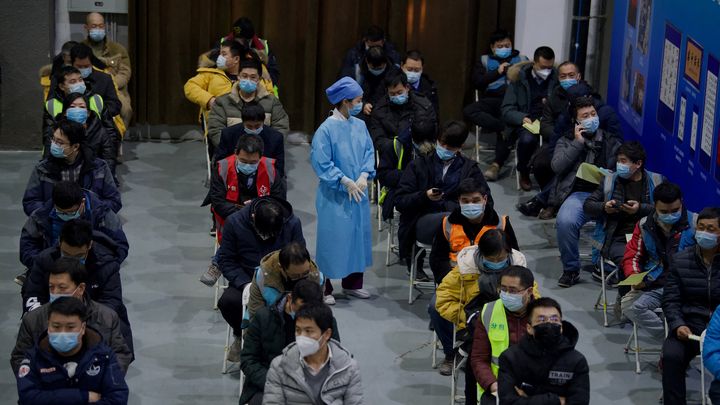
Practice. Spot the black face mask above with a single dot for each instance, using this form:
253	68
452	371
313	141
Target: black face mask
547	334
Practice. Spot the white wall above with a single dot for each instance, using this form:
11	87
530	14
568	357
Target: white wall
543	22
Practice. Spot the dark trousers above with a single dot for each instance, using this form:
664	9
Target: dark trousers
426	228
541	168
230	306
486	113
488	399
714	392
676	356
470	385
353	281
526	145
256	399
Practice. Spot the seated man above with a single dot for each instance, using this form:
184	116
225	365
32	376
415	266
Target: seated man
419	81
271	329
490	79
523	104
114	56
668	229
265	225
501	325
69	161
428	189
355	56
70	363
397	114
82	58
238	180
691	294
99	255
371	77
315	368
278	272
711	355
243	32
227	109
544	367
68	278
465	226
585	144
253	116
69	201
621	200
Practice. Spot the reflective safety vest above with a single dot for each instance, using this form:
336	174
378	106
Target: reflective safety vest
491	64
54	106
400	153
264	180
495	322
455	235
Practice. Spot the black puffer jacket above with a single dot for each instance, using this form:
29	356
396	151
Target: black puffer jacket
544	375
389	120
692	291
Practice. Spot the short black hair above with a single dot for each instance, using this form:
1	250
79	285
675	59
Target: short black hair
80	51
68	306
414	54
269	216
236	49
423	132
68	100
471	185
709	213
374	34
568	63
454	134
633	150
243	27
395	78
64	72
527	279
250	143
499	35
67	46
493	242
76	233
544	52
253	112
66	194
667	193
73	267
542	302
293	253
581	102
318	312
309	291
72	130
251	63
375	56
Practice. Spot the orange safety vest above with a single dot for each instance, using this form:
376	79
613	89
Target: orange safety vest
455	235
264	180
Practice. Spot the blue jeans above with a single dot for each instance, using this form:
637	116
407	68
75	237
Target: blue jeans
570	219
639	306
443	328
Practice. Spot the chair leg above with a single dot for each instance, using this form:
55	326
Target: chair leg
389	245
477	143
637	349
434	349
412	275
227	350
217	293
604	292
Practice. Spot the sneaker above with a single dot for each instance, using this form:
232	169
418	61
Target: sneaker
421	276
547	213
234	351
525	182
211	276
597	276
530	208
213	231
446	366
491	174
20	279
569	278
357	293
329	300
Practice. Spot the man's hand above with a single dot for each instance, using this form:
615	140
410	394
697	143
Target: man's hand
367	108
494	387
93	397
579	129
433	196
630	207
610	207
503	67
520	392
210	103
562	400
683	333
527	120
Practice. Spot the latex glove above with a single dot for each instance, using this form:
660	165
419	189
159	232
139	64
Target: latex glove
361	182
354	192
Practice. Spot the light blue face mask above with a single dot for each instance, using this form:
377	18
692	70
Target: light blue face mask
78	87
511	302
376	72
64	342
96	34
413	77
567	83
503	53
706	240
400	99
253	131
246	168
472	211
221	62
443	153
67	217
85	72
624	170
670	218
356	109
494	265
247	86
77	114
57	150
53	297
591	124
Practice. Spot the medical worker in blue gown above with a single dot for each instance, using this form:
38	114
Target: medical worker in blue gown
343	157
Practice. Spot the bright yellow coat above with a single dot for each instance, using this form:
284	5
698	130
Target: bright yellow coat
207	83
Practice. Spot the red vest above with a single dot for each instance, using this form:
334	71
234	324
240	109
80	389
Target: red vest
264	180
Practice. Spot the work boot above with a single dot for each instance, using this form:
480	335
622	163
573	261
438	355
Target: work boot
547	213
234	351
530	208
211	276
446	366
569	278
491	174
525	182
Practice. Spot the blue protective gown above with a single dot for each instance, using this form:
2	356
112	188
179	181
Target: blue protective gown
340	148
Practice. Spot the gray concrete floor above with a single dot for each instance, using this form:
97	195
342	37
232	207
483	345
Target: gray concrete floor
179	338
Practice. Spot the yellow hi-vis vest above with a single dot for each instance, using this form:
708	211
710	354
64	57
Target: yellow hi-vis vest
495	322
54	106
400	153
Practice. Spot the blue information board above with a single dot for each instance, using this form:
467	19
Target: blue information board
663	82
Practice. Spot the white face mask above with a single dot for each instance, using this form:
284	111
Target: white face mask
543	74
307	346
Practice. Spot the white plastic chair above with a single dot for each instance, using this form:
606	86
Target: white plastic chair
417	250
458	365
636	349
228	335
602	302
392	247
701	339
221	283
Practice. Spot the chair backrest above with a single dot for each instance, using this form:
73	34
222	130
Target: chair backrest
246	295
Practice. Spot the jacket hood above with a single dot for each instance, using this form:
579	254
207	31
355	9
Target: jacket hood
91	339
287	208
260	93
290	362
275	276
466	261
104	249
517	71
569	339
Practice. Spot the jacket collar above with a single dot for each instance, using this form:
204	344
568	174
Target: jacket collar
260	93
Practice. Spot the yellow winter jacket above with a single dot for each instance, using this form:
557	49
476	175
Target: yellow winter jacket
460	286
209	82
